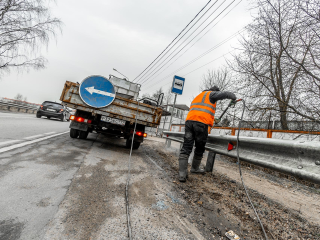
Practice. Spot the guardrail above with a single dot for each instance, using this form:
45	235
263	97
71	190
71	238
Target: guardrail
268	131
297	158
10	105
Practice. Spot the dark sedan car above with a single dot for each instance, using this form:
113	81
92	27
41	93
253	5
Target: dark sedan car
53	110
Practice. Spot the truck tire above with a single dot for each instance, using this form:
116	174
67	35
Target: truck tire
136	145
74	133
83	134
38	115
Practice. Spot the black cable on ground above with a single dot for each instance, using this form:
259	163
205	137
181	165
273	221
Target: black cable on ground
239	164
129	174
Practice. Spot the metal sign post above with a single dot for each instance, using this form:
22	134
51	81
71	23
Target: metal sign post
177	88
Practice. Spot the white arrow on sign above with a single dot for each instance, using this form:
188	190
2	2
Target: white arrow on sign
92	90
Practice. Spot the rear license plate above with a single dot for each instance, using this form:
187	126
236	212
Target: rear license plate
50	110
113	120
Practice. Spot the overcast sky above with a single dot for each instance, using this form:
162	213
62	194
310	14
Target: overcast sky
100	35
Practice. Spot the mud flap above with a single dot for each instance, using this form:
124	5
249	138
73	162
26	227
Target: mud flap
79	126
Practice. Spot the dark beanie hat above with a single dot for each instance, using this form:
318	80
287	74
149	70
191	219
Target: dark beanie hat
214	88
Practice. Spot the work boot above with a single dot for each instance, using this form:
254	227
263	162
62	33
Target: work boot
195	167
183	167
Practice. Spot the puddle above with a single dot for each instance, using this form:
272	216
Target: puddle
160	206
173	199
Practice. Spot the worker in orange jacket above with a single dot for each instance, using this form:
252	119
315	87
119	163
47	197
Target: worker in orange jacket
199	119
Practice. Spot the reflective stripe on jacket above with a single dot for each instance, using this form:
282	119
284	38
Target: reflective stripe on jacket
202	110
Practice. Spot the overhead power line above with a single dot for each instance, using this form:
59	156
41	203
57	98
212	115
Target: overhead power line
146	79
207	63
173	40
155	63
202	37
183	75
201	55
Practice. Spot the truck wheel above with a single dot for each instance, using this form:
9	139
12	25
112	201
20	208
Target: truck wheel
83	134
74	133
38	115
136	145
128	143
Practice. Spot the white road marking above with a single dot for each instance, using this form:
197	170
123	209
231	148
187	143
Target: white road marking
8	142
49	133
34	136
18	117
19	145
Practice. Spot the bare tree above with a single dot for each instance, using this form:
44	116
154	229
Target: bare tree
146	95
268	78
303	53
24	26
168	96
156	94
219	77
19	97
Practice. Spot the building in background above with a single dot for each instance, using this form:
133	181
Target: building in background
178	118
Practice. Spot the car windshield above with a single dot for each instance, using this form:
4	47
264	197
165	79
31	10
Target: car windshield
52	104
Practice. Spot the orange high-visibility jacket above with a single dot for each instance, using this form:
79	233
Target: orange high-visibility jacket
202	110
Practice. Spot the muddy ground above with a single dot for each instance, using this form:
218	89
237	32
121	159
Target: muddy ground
220	203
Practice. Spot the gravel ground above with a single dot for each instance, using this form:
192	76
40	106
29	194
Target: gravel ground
220	199
94	206
161	207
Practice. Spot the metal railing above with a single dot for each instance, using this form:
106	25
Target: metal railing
269	132
10	105
297	158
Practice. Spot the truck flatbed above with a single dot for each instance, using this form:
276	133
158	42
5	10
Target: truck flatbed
121	108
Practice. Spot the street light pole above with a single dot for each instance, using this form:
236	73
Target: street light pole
120	73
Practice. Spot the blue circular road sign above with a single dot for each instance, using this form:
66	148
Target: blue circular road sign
97	91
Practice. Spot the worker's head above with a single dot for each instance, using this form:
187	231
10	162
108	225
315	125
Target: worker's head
214	88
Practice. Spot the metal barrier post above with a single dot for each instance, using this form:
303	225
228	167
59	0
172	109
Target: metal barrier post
210	161
168	143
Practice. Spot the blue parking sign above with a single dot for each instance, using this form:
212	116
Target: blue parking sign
177	85
97	91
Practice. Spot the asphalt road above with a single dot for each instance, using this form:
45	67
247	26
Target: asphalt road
17	127
56	187
33	173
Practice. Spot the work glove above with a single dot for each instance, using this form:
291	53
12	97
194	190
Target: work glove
217	120
232	102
